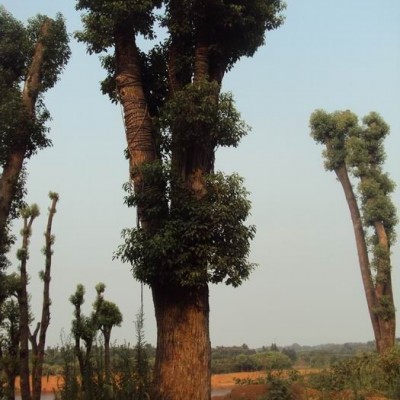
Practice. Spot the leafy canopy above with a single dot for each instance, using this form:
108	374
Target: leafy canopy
195	240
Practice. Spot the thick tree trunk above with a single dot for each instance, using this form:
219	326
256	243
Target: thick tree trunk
13	165
182	369
384	330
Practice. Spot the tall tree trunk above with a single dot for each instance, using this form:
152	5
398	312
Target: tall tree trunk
24	314
384	292
14	162
39	348
384	331
182	369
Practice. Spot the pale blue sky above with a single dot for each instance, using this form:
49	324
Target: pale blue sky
307	288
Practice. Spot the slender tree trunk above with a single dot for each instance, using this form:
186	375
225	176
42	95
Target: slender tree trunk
107	357
384	292
24	315
384	330
14	162
182	369
39	348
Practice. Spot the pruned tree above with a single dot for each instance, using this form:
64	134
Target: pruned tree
83	330
191	220
28	215
356	154
106	315
39	343
32	59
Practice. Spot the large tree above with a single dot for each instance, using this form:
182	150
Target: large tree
32	58
191	229
355	153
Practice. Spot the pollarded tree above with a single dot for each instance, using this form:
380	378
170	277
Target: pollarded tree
29	214
191	219
32	59
358	150
38	337
83	330
106	315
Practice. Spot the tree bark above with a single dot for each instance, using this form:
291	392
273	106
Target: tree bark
182	369
13	166
384	330
138	122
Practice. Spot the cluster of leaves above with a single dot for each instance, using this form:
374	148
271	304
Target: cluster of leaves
199	113
199	241
17	44
233	30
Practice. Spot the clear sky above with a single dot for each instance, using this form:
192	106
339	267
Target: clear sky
334	55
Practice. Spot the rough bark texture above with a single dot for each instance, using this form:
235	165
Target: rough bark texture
138	123
39	347
13	165
384	330
182	369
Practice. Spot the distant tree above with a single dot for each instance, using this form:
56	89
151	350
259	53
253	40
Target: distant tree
351	148
31	61
106	315
274	347
290	352
191	228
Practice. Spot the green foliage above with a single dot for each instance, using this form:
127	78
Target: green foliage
199	113
200	241
13	49
57	51
362	374
17	44
232	30
103	16
184	240
332	131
